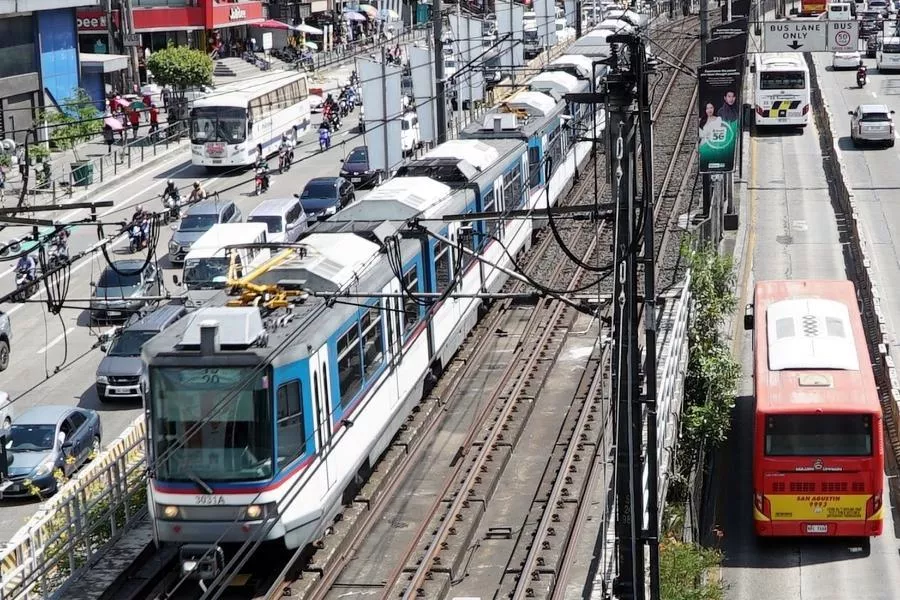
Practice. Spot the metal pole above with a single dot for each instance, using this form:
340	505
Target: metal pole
128	28
111	39
578	23
704	40
437	22
649	263
384	103
629	584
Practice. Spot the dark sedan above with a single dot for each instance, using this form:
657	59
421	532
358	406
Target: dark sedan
122	289
324	196
46	441
357	169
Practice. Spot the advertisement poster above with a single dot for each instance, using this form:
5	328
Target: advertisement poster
726	42
740	9
719	115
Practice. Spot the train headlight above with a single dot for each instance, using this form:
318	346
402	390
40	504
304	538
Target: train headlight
254	511
170	512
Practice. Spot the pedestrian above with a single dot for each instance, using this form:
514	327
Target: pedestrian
154	121
2	184
109	138
135	118
22	161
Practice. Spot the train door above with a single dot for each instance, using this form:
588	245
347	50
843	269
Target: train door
392	305
321	391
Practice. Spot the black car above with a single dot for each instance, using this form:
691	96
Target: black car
324	196
358	170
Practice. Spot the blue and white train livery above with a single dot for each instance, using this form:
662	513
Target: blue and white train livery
266	404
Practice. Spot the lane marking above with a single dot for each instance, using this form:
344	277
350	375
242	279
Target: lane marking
55	340
874	95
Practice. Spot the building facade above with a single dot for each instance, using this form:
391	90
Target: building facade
38	59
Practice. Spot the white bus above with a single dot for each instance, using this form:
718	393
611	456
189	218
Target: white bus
206	265
888	56
227	127
781	84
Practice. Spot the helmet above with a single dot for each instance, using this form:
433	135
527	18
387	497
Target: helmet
140	208
170	182
196	184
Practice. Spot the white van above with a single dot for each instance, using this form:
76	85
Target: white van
839	11
410	136
206	265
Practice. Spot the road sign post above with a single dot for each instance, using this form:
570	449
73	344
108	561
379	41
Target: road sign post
810	36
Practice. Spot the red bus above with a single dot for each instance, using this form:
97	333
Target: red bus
818	454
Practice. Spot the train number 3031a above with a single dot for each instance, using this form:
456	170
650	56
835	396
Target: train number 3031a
210	500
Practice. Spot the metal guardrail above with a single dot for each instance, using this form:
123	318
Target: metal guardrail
85	174
322	60
88	513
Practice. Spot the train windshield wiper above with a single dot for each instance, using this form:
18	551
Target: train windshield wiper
200	483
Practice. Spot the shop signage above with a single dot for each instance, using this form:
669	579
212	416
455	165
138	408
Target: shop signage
94	20
237	14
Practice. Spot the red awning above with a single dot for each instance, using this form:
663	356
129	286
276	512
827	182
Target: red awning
272	24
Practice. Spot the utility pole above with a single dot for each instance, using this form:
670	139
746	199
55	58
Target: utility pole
127	27
110	31
440	86
622	145
704	40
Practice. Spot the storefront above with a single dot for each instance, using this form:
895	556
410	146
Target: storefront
101	74
230	22
93	30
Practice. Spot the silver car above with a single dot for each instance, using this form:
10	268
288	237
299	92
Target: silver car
872	123
197	220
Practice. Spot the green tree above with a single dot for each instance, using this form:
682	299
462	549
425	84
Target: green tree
684	571
713	374
76	120
181	68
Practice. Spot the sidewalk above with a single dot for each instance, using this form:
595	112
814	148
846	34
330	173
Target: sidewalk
67	185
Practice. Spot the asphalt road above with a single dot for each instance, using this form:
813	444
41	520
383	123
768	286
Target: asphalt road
794	234
54	358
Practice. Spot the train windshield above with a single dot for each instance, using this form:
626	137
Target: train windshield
211	425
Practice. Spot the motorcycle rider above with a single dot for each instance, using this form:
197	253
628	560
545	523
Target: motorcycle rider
325	135
197	193
286	150
141	218
329	105
861	74
171	191
27	265
262	170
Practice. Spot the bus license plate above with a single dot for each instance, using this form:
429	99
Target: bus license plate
217	161
817	529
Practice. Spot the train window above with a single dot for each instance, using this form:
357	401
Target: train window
442	268
512	189
291	430
555	149
373	341
349	364
467	240
410	304
534	166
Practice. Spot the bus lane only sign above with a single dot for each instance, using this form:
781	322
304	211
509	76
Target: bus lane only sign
810	36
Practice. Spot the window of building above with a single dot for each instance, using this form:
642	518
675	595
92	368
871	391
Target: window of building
349	364
442	267
410	305
17	53
373	341
291	429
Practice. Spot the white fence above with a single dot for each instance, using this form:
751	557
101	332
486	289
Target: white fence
87	513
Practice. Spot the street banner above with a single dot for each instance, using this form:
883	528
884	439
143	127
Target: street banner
719	115
726	42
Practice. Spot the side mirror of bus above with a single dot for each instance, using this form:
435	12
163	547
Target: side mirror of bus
748	318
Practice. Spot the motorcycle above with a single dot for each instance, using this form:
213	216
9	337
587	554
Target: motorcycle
26	286
343	108
135	237
861	76
262	181
324	139
172	202
285	158
58	256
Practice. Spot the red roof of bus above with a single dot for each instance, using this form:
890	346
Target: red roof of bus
780	391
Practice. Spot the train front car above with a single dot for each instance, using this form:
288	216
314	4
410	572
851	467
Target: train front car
215	444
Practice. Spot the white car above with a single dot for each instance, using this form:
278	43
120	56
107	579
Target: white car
872	123
846	60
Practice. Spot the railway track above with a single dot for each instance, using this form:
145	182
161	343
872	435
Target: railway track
447	466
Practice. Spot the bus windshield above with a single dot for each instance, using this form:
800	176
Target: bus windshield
782	80
819	435
206	273
891	48
218	124
212	425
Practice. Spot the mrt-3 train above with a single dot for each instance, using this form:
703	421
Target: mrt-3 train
262	413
